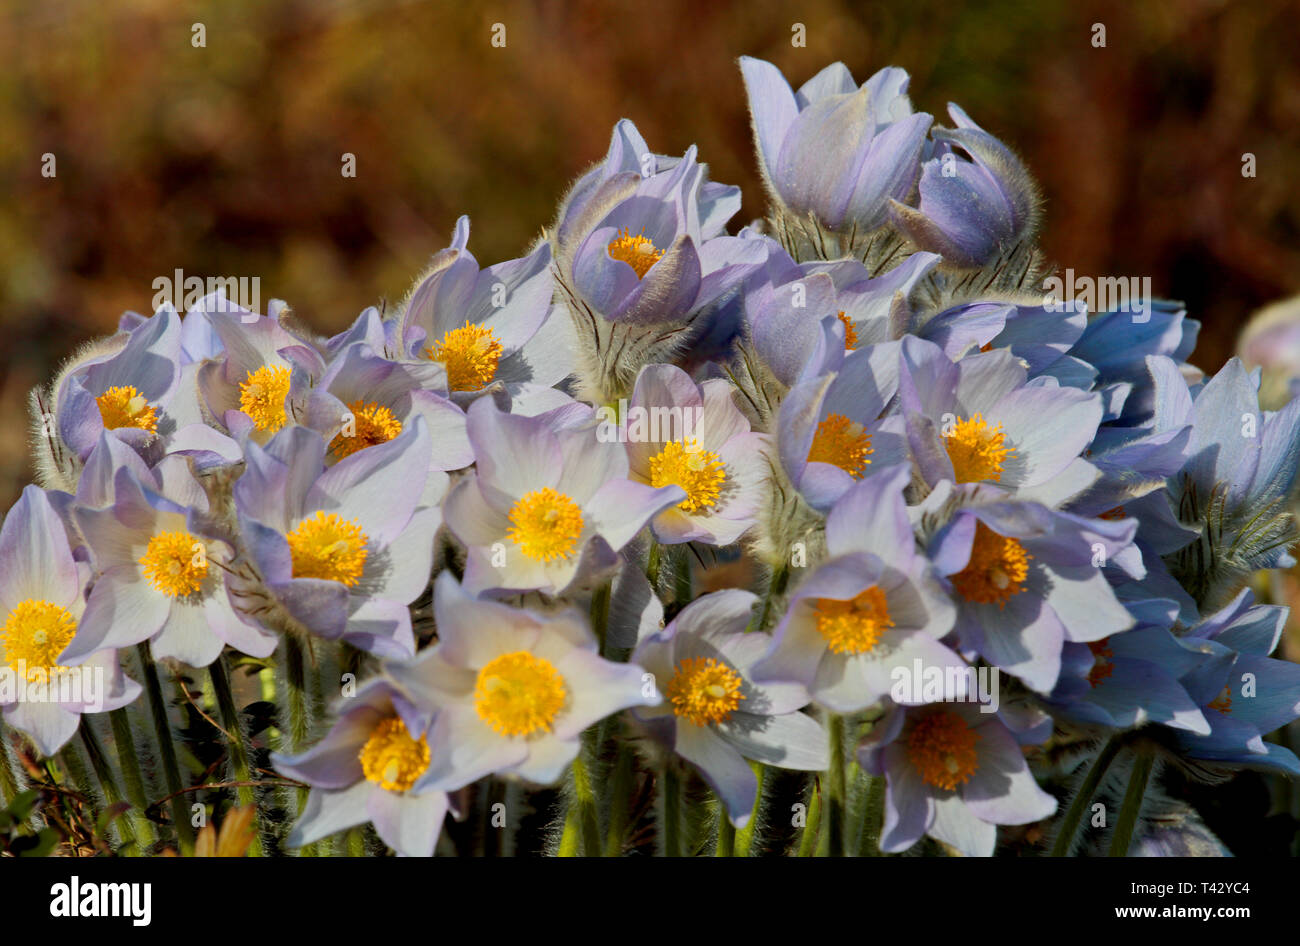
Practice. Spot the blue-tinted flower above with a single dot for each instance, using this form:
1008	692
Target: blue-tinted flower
547	507
951	772
512	690
709	452
872	607
42	603
714	715
365	770
340	552
834	150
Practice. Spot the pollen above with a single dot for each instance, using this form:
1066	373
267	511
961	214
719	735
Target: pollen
704	690
262	396
996	571
545	524
942	747
850	333
637	251
374	424
1101	665
392	758
1223	702
126	407
175	563
519	694
699	472
34	635
856	625
328	546
977	451
843	443
470	354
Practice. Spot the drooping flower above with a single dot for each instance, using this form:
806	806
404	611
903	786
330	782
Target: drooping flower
547	507
714	715
951	772
42	601
711	454
512	690
365	770
340	551
872	607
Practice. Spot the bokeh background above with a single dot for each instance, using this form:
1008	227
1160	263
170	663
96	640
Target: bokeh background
225	160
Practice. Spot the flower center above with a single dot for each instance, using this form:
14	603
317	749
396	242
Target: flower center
977	451
850	333
697	471
1223	702
126	407
470	354
35	633
1101	665
518	694
853	626
843	443
637	251
704	690
328	546
392	758
942	747
545	524
175	563
373	424
262	396
997	568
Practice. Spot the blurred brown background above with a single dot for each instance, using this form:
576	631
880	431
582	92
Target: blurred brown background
225	160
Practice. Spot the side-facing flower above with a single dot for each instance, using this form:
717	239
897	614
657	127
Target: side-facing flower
512	690
714	715
365	770
547	506
42	602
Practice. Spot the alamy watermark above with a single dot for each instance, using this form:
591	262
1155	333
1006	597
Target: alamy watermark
626	424
922	683
1107	294
186	292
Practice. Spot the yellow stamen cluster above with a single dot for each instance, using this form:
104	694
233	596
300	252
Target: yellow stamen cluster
1101	665
373	424
325	545
996	571
35	633
699	472
854	626
519	694
850	333
1223	702
262	394
637	251
545	524
942	748
126	407
977	451
843	443
470	354
175	563
392	758
704	690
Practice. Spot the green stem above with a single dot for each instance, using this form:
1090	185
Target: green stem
600	614
619	799
569	838
295	728
586	806
682	577
124	743
652	565
811	828
112	794
219	674
670	819
836	789
8	781
745	836
726	833
167	749
873	810
775	588
1132	806
1074	814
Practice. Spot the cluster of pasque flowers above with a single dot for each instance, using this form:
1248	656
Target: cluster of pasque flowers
978	523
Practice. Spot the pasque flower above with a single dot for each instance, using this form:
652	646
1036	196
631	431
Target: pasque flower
714	714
